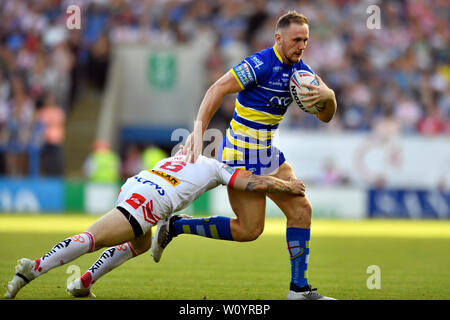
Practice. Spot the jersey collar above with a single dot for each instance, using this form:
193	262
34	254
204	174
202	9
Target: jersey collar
277	54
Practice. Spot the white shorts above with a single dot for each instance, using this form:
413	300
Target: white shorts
143	203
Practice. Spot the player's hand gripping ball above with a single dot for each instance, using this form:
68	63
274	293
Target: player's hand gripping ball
298	91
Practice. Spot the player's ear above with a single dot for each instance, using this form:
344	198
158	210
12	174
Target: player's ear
277	37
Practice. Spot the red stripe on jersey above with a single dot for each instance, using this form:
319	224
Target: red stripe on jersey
233	178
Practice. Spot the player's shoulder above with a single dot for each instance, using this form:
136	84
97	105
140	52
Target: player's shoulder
202	160
211	162
264	57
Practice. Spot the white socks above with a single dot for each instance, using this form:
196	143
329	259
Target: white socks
77	245
64	252
110	258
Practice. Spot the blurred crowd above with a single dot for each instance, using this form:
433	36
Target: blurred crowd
394	78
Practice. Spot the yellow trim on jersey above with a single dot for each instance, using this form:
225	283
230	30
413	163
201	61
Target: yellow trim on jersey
277	54
243	144
243	130
232	155
257	116
237	79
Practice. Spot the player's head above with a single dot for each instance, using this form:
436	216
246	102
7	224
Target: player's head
291	36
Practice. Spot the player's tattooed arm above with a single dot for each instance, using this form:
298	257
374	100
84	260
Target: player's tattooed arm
269	184
246	181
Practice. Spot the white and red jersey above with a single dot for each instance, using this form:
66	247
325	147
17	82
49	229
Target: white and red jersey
184	182
170	186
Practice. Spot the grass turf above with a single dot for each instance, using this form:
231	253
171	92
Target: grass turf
412	256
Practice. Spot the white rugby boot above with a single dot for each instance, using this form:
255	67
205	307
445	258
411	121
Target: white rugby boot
22	277
77	290
305	293
163	235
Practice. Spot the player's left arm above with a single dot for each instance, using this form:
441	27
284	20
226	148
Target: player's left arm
246	181
321	93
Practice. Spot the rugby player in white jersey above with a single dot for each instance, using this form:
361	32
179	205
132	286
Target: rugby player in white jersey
143	200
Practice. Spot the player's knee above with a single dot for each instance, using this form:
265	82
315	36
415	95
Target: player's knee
302	214
252	234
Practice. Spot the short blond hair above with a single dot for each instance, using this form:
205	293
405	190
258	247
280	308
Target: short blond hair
291	17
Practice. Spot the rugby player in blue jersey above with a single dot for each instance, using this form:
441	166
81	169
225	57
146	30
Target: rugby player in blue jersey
262	84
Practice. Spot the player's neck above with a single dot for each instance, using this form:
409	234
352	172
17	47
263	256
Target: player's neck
280	55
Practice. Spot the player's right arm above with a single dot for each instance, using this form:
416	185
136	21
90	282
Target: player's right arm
246	181
227	84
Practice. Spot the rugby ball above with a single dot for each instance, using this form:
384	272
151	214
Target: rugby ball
298	78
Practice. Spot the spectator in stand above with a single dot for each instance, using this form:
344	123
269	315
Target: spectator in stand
431	124
19	128
152	155
132	162
103	164
331	175
402	67
53	118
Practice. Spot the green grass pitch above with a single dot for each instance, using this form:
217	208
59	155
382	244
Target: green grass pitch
413	257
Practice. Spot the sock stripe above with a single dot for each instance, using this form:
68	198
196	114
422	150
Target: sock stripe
186	228
132	250
200	231
86	279
213	231
217	227
91	241
23	277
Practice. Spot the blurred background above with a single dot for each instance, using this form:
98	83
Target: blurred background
83	109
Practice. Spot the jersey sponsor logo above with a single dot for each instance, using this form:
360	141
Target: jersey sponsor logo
136	200
257	62
244	74
277	69
160	190
173	166
276	83
172	180
280	101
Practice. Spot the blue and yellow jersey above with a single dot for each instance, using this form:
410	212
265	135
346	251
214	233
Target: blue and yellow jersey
260	106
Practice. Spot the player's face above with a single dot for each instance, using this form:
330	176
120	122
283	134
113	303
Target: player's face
293	41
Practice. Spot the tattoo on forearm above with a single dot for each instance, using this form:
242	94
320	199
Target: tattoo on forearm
266	184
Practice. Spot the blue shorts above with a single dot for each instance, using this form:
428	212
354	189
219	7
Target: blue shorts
262	161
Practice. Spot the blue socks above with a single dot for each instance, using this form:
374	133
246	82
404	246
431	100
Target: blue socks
218	227
212	227
298	246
